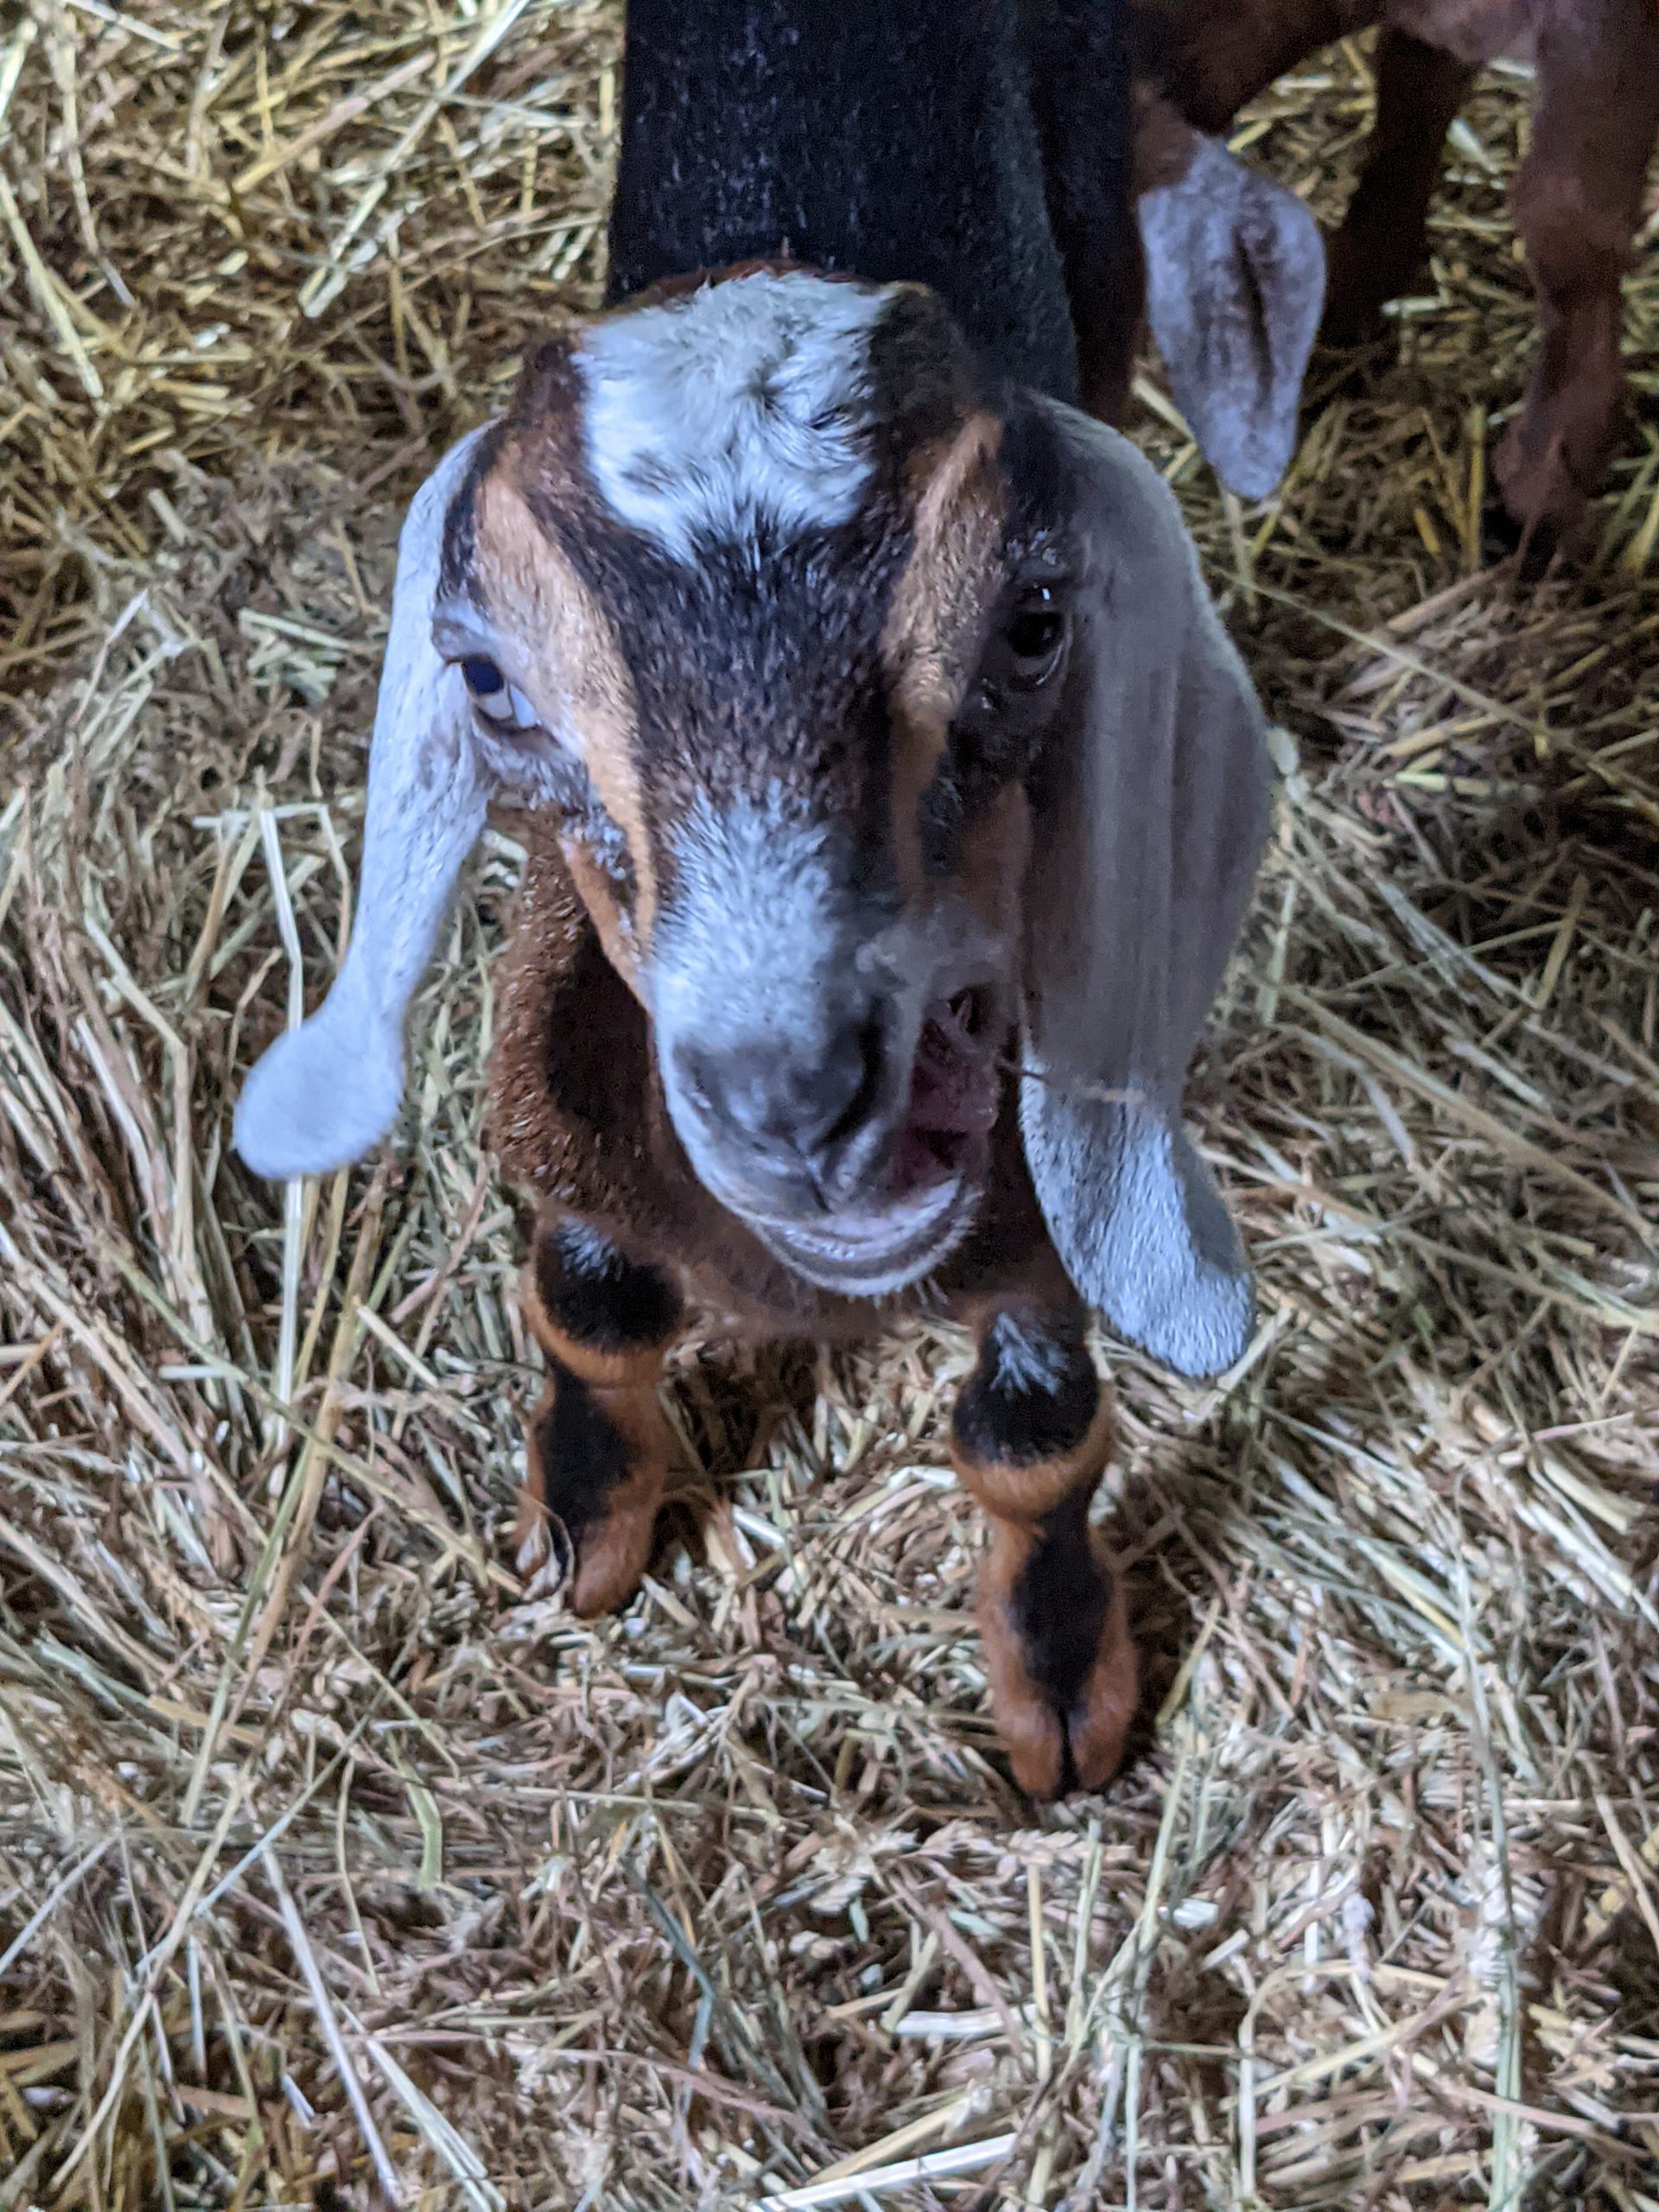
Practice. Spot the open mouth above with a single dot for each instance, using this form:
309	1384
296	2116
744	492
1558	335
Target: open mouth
953	1094
926	1203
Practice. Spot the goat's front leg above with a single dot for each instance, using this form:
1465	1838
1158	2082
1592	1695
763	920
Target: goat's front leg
1030	1436
598	1443
1383	239
1577	202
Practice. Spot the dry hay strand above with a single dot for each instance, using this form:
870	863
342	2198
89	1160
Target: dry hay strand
335	1866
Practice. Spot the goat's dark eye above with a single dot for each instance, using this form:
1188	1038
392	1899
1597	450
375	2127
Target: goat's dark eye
496	701
1032	640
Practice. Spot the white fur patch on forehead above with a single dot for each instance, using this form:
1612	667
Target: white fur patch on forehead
741	402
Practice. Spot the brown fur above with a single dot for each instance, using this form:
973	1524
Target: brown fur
578	1120
1577	204
1376	255
937	607
1021	1494
1163	141
1211	56
623	1385
614	1548
1577	199
578	1112
1015	1498
937	612
522	573
1038	1738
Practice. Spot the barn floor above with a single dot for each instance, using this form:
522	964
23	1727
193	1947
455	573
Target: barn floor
333	1862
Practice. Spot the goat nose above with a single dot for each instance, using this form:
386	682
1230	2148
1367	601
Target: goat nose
781	1098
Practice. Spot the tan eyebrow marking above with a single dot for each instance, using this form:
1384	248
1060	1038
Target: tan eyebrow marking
932	630
573	659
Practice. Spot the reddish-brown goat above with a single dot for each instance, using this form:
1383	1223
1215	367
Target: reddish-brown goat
1577	199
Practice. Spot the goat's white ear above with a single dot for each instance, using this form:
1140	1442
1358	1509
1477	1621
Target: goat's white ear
1235	288
1152	810
328	1090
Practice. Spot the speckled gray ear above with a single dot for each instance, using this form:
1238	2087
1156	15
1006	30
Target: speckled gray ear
1153	811
1235	289
328	1092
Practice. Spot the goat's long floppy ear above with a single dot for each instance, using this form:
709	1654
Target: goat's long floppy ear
1235	288
328	1090
1152	810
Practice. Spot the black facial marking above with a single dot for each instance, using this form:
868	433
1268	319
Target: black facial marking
1031	1397
995	739
1058	1605
598	1298
756	672
582	1455
1039	479
460	524
549	386
924	378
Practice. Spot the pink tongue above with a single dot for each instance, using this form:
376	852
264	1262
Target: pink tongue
948	1094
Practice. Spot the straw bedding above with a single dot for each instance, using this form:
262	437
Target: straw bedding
333	1864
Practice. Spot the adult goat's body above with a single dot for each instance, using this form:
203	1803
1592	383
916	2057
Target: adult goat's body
1577	198
798	605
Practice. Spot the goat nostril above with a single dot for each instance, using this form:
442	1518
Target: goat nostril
866	1053
781	1099
698	1077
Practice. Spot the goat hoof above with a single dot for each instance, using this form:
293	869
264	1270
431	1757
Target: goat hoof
599	1562
1502	536
1542	494
1500	533
1062	1669
595	1462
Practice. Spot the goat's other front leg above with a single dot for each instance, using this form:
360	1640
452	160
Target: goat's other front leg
1577	202
598	1443
1210	57
1383	240
1031	1435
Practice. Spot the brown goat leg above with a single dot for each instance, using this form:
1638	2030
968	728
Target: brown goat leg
1030	1436
1210	57
1383	240
598	1442
1577	202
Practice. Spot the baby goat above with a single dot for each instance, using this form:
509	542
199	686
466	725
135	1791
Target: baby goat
894	792
1577	199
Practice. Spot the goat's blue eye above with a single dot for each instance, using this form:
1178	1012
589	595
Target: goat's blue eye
495	701
482	678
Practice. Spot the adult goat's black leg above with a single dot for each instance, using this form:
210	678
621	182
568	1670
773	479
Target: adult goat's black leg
1379	249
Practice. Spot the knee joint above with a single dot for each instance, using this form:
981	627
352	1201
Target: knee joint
596	1299
1576	240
